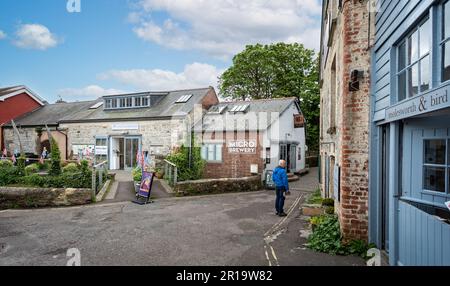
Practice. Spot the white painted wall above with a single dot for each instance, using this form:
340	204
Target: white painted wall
276	134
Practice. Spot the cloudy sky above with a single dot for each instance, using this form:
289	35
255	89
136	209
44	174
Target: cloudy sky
115	46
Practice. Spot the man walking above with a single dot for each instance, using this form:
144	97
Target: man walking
280	179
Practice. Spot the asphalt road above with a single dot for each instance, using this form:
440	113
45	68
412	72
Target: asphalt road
223	230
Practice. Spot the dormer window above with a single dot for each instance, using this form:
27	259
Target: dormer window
126	102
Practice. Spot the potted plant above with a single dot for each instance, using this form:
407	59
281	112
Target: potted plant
137	177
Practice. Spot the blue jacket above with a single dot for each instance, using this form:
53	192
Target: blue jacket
280	178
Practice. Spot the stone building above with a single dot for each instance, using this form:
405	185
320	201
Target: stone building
346	41
115	128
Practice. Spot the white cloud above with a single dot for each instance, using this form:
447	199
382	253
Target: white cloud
86	93
195	75
35	36
223	28
2	35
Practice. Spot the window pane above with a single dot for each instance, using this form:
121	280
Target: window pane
434	179
129	102
435	152
211	154
425	38
114	103
446	62
447	20
425	74
413	46
402	86
402	56
219	152
205	152
137	101
122	102
413	80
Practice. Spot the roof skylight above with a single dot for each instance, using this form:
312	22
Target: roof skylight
184	98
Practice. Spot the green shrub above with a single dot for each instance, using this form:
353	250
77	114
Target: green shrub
327	238
43	167
33	180
6	163
137	174
8	175
31	169
329	210
21	166
55	169
316	220
181	160
328	202
71	168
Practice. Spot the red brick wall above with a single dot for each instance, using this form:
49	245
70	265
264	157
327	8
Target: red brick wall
236	165
210	99
16	106
353	208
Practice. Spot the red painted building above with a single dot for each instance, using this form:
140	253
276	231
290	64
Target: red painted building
15	102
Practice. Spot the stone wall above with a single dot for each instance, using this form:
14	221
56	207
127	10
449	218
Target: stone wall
158	136
218	186
31	142
38	198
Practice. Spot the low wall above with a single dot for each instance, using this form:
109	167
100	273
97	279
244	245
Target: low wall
219	186
40	197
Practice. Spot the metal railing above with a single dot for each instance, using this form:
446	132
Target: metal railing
99	173
170	173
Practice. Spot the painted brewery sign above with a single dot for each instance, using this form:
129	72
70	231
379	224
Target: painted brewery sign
242	147
429	102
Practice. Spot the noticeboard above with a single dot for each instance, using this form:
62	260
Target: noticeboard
269	180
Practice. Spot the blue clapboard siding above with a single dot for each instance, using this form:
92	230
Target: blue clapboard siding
423	239
393	20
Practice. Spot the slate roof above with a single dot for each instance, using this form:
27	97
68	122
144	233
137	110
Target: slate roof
257	108
78	112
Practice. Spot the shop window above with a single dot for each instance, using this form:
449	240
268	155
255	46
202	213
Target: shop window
212	152
436	165
445	44
414	68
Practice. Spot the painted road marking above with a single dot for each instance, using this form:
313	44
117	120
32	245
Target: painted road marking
270	235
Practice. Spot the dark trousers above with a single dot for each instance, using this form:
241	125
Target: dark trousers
279	202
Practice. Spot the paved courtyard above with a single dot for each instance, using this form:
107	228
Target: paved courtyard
231	229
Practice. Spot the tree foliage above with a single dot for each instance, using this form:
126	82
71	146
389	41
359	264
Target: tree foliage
276	71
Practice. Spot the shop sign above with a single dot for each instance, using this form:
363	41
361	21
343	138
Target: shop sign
125	126
242	147
432	101
299	121
101	150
